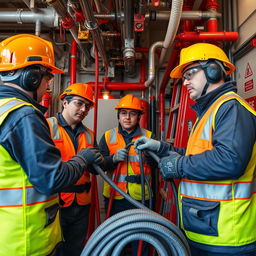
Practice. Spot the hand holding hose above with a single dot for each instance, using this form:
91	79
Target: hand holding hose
143	143
91	156
120	155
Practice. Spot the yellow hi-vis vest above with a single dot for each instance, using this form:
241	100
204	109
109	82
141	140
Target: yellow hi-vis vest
233	201
29	221
114	142
63	142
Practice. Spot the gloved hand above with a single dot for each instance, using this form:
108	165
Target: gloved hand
91	156
169	166
120	155
146	143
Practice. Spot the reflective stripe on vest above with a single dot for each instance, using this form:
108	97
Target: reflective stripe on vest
218	191
13	197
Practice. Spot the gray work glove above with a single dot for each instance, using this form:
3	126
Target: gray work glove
146	143
120	155
169	166
91	156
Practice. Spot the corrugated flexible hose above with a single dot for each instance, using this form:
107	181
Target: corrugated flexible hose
119	230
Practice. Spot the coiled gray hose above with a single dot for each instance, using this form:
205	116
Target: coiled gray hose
132	225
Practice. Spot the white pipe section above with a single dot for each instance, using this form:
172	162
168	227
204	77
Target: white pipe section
173	26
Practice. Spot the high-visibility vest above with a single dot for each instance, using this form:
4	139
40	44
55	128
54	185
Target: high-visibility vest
131	167
233	201
29	220
63	142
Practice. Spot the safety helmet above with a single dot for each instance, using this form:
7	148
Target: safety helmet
131	102
24	50
79	89
201	52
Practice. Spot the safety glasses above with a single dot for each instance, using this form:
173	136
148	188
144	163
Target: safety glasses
129	113
189	73
81	104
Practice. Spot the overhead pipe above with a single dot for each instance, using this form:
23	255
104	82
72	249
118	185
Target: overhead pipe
46	16
73	61
151	63
128	38
185	15
208	36
172	29
173	25
186	25
92	25
121	86
68	23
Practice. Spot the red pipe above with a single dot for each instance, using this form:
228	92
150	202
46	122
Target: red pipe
209	36
95	126
119	86
73	60
94	190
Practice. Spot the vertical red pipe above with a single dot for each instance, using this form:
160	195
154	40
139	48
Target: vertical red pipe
73	60
97	209
94	189
212	24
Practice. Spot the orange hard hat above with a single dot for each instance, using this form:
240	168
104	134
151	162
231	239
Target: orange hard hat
79	89
131	102
24	50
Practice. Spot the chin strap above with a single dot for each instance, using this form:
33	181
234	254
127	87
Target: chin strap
205	88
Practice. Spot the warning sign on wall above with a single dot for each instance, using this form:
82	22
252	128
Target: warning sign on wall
248	85
252	102
248	71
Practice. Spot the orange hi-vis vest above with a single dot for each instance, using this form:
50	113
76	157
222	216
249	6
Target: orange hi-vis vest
131	167
235	200
63	142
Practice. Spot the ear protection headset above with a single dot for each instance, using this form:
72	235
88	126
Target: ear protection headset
213	72
28	78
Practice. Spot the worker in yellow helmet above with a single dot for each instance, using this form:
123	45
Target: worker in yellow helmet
32	171
217	169
113	146
71	136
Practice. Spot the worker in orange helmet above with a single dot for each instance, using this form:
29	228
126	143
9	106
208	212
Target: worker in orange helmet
217	169
32	171
113	146
70	136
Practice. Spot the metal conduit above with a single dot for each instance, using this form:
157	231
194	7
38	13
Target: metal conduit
92	25
46	16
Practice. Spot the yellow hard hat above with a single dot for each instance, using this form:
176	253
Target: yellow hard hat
131	102
201	52
24	50
79	89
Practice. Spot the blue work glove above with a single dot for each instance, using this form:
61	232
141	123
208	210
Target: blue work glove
169	166
91	156
120	155
146	143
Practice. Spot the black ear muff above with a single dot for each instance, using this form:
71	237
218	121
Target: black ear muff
213	72
30	78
